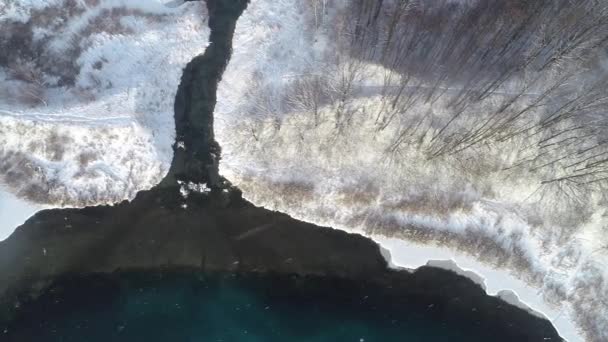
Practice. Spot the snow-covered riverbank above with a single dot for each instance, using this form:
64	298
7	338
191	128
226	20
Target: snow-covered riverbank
87	92
293	150
501	283
13	212
530	291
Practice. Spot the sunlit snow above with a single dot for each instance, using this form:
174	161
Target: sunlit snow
88	118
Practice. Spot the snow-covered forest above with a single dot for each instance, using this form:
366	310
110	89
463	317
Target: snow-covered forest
476	126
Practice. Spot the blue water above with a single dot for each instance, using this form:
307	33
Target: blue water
229	308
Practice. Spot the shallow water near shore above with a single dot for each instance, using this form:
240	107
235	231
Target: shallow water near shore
197	307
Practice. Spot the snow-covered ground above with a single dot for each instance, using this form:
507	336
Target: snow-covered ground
524	241
13	212
100	129
86	95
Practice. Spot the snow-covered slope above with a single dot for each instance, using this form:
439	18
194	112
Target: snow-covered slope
334	162
86	95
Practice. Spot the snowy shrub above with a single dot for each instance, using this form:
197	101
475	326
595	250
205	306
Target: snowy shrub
31	95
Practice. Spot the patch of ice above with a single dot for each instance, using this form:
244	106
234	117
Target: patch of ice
459	213
14	212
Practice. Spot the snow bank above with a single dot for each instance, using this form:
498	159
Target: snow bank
500	283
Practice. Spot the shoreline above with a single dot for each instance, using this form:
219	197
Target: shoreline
155	233
497	283
19	209
401	254
393	305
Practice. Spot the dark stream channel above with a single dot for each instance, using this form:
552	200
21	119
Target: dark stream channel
213	267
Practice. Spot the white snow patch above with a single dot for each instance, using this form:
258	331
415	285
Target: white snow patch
186	188
110	134
493	230
14	212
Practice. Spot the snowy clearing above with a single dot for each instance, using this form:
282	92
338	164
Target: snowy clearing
86	95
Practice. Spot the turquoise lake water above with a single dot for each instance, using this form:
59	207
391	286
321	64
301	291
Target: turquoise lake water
229	308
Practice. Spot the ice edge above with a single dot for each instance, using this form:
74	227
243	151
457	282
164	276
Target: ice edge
402	254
